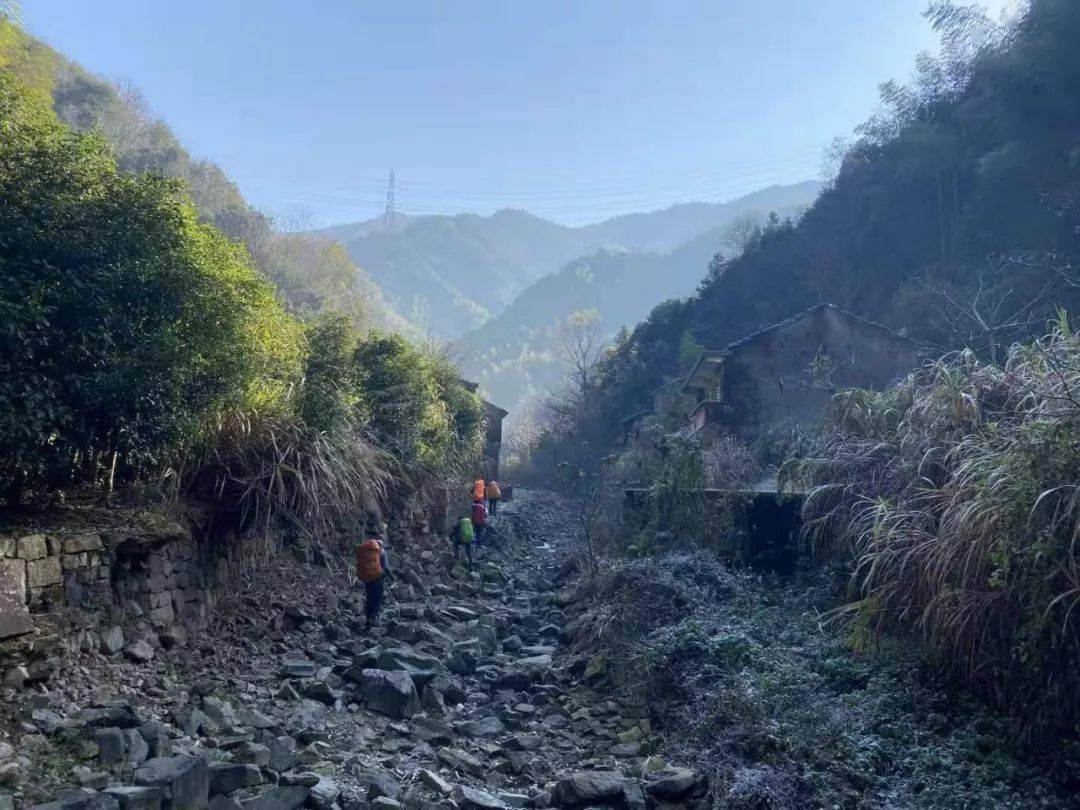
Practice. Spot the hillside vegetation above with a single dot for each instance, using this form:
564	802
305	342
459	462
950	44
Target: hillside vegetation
203	382
952	217
312	275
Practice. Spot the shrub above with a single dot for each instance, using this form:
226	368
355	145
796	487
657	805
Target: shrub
955	493
122	318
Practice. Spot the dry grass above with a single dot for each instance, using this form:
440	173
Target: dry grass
957	494
274	469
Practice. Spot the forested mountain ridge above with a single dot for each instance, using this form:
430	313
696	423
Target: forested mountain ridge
312	275
953	216
453	273
513	355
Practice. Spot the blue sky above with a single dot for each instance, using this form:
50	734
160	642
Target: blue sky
574	109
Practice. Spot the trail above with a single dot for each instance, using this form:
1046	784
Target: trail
465	695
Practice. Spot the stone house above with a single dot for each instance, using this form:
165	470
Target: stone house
788	372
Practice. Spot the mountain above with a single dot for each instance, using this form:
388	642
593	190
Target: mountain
512	355
450	274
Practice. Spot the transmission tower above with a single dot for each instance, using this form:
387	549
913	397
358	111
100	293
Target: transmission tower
390	197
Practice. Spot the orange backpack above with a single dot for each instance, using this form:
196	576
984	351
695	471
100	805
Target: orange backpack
368	564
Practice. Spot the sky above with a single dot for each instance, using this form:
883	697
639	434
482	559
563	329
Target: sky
573	109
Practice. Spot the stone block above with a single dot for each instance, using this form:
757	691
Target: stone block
7	545
14	617
54	545
31	547
71	562
82	542
156	584
162	616
41	573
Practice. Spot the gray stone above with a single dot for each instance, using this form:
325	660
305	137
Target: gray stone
671	783
46	720
138	749
31	547
470	797
111	745
436	782
119	713
282	752
489	726
252	754
225	777
136	798
112	641
82	542
588	787
278	798
421	668
460	760
139	651
14	616
380	783
324	793
184	781
298	669
44	572
386	803
223	802
390	693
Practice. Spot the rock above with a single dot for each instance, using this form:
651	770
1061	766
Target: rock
31	547
12	773
282	752
652	765
320	691
225	777
173	636
157	737
435	782
389	693
515	679
218	710
324	793
94	780
14	615
138	750
422	668
47	721
671	783
278	798
250	753
254	719
431	701
298	668
470	797
535	662
623	750
525	742
462	662
460	760
139	651
381	783
136	798
224	803
386	803
111	745
184	781
588	787
112	641
596	668
489	726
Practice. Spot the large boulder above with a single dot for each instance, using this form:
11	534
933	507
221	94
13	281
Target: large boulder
588	787
390	693
671	783
184	782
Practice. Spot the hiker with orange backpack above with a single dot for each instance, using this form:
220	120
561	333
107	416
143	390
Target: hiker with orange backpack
494	495
478	489
372	568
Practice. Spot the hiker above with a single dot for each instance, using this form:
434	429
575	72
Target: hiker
372	568
478	515
493	496
478	489
463	534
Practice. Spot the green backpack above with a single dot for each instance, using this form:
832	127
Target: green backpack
465	530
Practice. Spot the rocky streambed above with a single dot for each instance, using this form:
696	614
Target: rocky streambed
465	695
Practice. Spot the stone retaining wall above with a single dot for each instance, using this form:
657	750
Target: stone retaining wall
175	575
